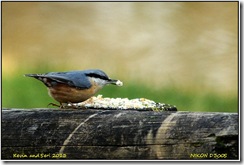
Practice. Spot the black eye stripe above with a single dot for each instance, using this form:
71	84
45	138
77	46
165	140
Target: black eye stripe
97	76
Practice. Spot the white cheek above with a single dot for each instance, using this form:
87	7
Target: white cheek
99	82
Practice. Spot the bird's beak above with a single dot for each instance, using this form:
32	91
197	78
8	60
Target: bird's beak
116	82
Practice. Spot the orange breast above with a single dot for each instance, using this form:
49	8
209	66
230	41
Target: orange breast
66	94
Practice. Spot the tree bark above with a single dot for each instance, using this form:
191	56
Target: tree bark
118	134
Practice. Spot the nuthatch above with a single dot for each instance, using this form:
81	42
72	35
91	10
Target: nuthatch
74	86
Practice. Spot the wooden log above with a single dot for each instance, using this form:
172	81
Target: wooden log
118	134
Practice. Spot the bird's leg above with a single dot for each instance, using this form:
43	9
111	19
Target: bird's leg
68	105
56	105
63	105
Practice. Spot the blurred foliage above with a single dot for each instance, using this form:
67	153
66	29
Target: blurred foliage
179	53
23	92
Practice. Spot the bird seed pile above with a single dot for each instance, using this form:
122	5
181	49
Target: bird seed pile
122	104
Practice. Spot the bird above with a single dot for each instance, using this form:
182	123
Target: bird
74	86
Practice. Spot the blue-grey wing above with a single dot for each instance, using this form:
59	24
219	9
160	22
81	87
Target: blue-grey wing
74	79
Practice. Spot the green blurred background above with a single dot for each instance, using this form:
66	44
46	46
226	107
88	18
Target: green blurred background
179	53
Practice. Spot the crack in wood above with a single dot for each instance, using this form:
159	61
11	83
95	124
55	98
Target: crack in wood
66	141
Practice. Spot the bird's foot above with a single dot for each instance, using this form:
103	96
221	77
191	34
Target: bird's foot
56	105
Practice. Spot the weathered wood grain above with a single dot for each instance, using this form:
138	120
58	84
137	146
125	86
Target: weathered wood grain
118	134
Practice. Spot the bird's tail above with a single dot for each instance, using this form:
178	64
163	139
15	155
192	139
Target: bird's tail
41	78
32	75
